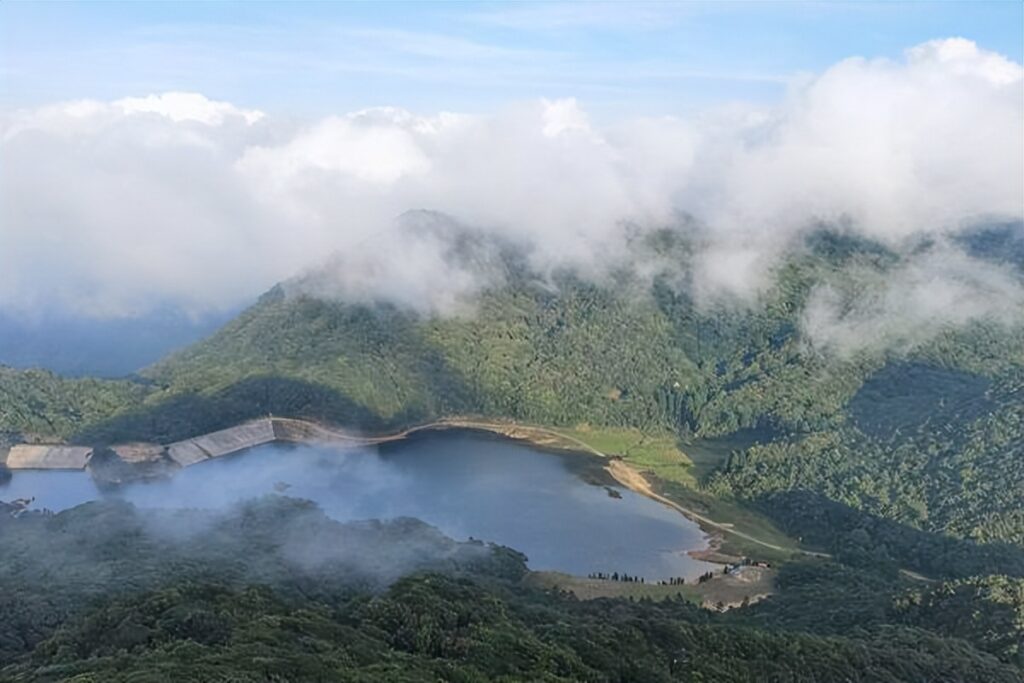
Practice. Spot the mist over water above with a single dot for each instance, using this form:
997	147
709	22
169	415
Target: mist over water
465	484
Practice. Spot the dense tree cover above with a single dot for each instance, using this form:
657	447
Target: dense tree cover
864	540
931	438
830	598
960	472
988	611
40	403
527	352
902	453
105	592
1002	243
51	567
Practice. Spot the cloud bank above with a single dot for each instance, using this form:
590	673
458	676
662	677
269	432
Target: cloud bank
114	209
930	291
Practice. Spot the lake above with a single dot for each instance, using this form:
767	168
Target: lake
558	509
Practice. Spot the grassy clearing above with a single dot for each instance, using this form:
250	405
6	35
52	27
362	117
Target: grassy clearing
721	592
750	584
738	517
704	462
676	476
655	453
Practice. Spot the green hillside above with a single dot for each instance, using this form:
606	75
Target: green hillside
891	459
931	437
316	600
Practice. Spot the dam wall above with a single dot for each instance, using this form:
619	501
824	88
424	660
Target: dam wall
255	433
43	457
223	442
150	458
302	431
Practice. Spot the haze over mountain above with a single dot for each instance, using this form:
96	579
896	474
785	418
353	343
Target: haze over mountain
102	347
181	202
745	275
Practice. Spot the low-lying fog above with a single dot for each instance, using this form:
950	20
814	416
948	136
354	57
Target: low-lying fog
467	485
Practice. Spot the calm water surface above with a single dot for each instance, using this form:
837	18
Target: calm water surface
466	484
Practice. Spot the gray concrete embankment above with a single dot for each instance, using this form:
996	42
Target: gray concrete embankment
300	431
48	457
181	453
223	442
146	457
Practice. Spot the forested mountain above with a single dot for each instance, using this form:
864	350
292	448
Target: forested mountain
929	434
80	347
166	597
900	450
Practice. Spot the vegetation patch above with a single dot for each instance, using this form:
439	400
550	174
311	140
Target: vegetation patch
905	397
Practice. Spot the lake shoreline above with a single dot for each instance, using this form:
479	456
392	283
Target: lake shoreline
157	464
467	483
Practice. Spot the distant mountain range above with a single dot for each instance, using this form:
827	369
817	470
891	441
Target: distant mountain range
79	346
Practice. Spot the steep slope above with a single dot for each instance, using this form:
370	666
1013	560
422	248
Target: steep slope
274	590
927	434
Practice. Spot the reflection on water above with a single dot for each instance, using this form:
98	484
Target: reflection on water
463	483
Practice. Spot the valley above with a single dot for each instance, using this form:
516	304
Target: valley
661	341
867	509
120	464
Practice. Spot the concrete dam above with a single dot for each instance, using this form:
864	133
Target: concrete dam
48	457
188	451
126	462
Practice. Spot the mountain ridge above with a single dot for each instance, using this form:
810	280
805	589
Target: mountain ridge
634	352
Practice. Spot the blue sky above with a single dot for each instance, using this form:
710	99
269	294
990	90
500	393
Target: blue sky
617	59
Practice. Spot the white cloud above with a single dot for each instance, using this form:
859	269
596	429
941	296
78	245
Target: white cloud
378	146
563	116
933	290
184	106
963	57
896	147
112	209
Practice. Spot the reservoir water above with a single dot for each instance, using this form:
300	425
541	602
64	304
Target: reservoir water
552	507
